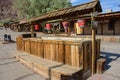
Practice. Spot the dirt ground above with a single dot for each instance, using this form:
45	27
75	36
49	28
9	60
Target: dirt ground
10	68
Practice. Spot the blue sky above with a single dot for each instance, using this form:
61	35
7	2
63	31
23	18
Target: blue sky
106	4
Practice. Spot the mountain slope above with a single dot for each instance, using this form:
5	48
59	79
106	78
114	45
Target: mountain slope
6	10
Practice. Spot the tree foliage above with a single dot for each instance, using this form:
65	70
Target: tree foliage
31	8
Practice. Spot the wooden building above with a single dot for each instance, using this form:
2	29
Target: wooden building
108	24
68	14
73	56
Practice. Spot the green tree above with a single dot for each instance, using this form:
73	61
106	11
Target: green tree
31	8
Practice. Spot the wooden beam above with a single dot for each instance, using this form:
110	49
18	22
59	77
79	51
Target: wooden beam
93	47
102	27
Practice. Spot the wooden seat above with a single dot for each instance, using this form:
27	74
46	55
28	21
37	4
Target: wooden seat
50	69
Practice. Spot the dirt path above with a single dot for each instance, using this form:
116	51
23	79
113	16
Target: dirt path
10	68
111	51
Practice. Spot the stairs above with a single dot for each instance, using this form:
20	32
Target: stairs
50	69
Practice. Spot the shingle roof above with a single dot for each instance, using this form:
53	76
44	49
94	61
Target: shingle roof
81	9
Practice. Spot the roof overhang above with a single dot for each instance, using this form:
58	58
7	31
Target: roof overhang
72	11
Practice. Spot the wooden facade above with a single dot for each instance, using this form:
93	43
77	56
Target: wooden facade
104	28
109	24
66	14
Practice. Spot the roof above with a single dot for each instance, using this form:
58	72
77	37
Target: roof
79	9
103	16
109	15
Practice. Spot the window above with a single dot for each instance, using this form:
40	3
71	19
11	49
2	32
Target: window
111	24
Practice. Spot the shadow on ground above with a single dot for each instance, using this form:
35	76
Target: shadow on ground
109	58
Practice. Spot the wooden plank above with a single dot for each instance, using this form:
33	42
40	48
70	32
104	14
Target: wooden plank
90	55
77	57
81	55
40	49
48	51
32	47
67	54
98	48
19	40
36	48
27	45
61	53
44	50
23	46
53	52
73	55
57	52
85	57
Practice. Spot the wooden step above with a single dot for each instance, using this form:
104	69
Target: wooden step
50	69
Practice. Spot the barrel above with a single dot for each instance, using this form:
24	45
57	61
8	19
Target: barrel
48	26
37	27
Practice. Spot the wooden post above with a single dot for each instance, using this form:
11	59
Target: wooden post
69	31
32	30
93	51
93	47
102	27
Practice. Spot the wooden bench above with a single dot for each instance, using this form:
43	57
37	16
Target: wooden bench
50	69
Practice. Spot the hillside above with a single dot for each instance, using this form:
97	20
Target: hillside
6	11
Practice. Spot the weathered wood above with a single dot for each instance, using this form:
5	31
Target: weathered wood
101	65
85	57
40	48
98	48
61	52
51	70
73	53
75	56
23	45
81	57
19	40
32	46
67	54
27	45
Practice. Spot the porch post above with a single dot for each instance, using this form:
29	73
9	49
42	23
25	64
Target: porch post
93	45
32	30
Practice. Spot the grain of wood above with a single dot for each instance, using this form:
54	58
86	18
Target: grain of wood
61	53
67	54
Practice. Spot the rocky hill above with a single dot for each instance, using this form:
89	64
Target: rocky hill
6	10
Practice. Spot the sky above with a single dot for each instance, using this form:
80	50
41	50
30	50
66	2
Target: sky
106	4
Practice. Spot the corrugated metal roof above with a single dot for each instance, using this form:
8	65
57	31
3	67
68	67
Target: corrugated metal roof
66	11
